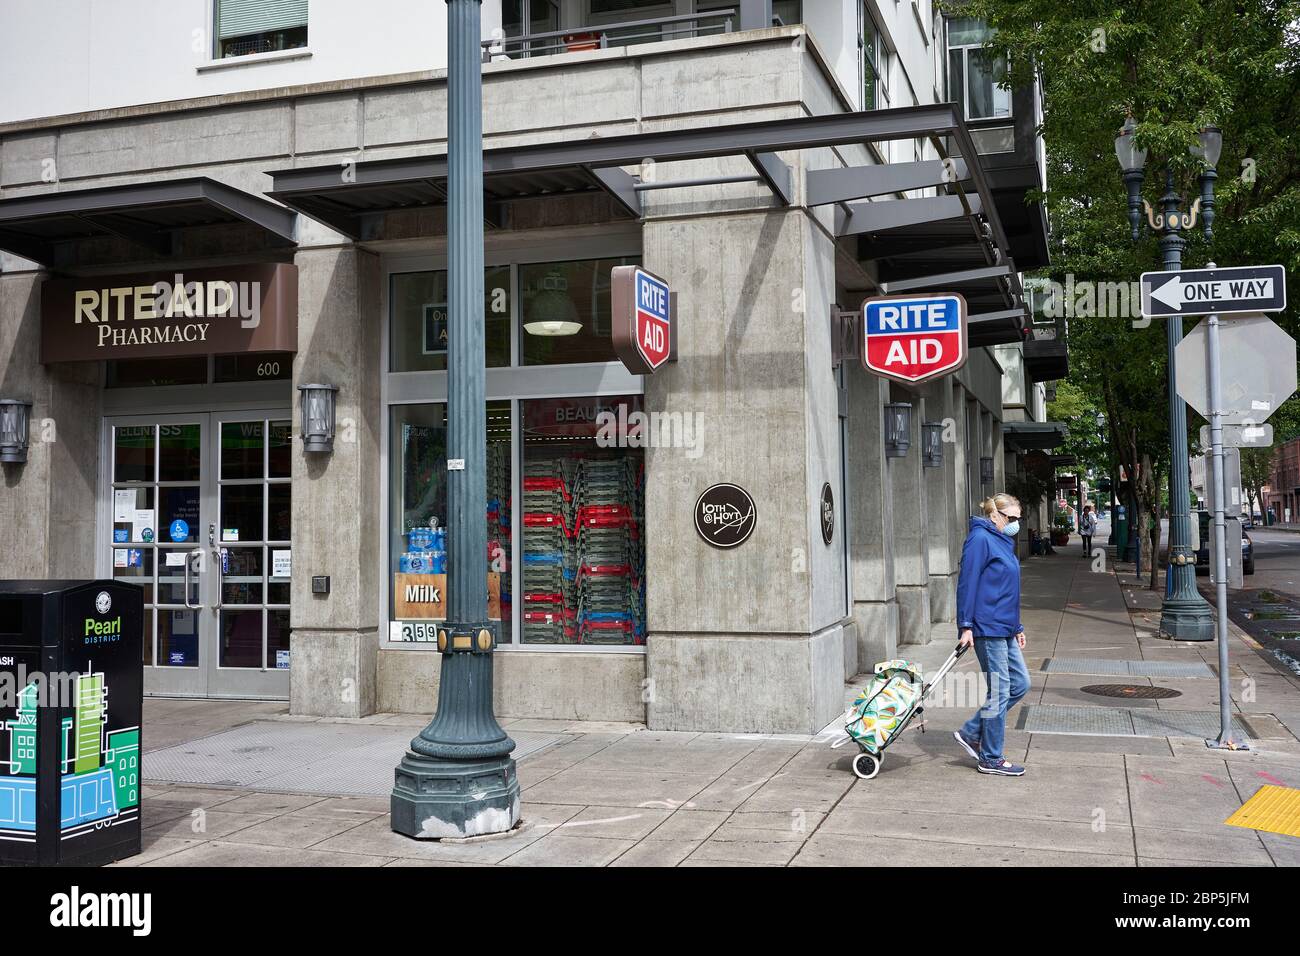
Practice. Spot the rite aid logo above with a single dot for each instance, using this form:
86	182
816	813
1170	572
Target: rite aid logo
103	603
724	515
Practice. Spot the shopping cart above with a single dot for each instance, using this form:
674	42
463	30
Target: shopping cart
885	708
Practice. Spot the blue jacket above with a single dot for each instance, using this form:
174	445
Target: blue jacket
988	585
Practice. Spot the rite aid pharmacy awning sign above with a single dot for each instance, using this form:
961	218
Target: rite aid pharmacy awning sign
643	330
1214	291
914	338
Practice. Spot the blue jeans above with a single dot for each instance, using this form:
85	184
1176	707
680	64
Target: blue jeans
1008	680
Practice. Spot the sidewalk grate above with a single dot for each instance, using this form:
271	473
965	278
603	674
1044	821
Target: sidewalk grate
1097	665
1122	722
281	757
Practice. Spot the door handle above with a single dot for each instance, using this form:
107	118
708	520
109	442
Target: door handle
219	560
189	571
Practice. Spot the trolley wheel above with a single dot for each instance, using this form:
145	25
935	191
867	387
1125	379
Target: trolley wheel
865	766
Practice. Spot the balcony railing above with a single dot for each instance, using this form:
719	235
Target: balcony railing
599	37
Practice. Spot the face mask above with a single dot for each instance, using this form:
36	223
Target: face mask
1011	528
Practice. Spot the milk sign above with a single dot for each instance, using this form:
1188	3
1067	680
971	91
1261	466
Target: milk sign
914	338
643	319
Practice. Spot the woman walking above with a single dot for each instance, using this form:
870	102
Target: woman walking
1087	528
988	616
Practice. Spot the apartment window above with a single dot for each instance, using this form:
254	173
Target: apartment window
787	11
245	27
974	73
875	65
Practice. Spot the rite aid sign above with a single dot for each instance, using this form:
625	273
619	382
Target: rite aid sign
913	338
644	325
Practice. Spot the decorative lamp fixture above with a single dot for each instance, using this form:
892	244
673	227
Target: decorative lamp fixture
932	444
986	471
318	417
1209	144
898	429
1131	163
1208	147
15	418
551	311
1131	159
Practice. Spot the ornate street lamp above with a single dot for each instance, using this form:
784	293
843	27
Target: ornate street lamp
459	780
1185	615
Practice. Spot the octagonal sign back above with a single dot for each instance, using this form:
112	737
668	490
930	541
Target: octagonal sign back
1257	369
914	338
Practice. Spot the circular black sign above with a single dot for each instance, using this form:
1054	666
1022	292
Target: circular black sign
828	513
725	515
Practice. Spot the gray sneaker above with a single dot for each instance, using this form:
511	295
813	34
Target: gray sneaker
970	746
1002	767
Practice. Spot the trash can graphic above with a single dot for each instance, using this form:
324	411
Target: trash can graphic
71	687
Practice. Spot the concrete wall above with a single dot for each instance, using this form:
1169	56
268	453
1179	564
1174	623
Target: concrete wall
78	55
336	496
47	507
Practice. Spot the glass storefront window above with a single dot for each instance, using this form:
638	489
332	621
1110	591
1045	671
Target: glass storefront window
418	510
136	373
583	512
565	311
418	330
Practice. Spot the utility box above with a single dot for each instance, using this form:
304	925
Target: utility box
71	688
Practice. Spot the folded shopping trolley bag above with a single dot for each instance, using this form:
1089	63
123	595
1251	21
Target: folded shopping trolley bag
883	706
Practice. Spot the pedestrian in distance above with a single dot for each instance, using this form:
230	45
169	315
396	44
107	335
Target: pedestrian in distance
988	617
1087	528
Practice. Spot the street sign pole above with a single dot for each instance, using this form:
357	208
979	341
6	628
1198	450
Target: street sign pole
1226	740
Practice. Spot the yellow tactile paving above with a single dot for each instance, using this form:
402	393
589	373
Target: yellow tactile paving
1273	809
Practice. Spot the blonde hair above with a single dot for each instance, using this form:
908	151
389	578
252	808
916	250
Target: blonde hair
997	503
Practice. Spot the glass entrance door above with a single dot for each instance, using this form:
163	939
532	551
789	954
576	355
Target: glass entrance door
198	514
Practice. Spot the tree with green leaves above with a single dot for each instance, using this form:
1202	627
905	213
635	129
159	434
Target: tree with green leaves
1176	66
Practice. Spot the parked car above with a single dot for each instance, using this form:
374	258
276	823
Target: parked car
1203	555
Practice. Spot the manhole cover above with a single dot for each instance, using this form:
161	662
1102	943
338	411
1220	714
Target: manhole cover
1132	691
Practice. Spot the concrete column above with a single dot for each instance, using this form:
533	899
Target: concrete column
747	638
336	515
911	546
47	510
869	510
941	509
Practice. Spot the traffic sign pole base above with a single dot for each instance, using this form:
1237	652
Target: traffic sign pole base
1227	743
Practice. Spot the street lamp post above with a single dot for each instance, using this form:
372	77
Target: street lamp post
1185	615
458	780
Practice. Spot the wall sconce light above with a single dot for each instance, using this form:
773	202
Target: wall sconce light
986	471
552	312
898	429
15	427
318	417
932	444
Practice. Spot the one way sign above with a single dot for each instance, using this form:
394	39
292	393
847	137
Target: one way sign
1217	291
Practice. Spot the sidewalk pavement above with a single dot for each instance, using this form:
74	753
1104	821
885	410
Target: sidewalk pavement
622	795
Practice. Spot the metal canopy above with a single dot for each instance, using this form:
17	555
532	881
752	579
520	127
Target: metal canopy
916	243
146	214
1026	436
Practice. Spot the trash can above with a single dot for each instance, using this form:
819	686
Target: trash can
71	686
